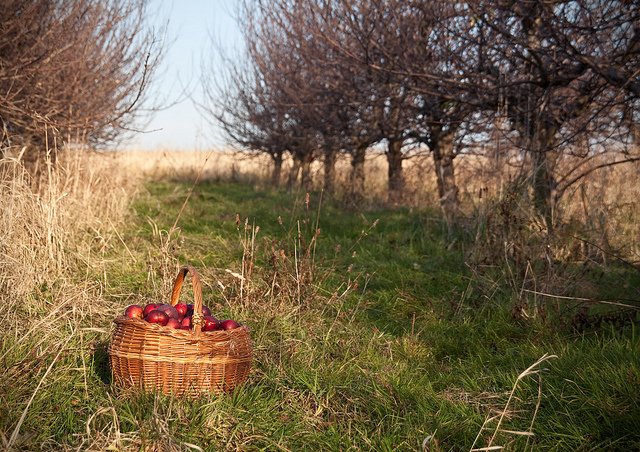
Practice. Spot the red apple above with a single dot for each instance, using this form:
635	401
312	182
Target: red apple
205	310
210	323
134	311
173	323
169	310
186	322
157	316
148	308
182	309
228	324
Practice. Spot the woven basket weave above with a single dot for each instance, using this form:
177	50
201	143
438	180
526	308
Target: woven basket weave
181	362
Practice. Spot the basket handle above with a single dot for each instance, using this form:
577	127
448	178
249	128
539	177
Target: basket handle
197	318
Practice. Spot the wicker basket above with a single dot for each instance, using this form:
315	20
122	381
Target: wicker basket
182	362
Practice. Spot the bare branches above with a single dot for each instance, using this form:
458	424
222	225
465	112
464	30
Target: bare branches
78	68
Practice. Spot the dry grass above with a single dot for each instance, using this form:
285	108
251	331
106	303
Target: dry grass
504	413
82	199
212	165
55	232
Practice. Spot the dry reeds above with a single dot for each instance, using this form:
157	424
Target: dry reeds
79	200
533	369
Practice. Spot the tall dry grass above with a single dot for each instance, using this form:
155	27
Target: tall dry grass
52	225
56	228
186	165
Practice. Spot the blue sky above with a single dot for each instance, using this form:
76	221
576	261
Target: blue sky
191	26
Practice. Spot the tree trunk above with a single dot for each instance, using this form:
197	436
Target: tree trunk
276	173
543	160
396	178
356	178
544	185
307	182
330	157
293	174
447	189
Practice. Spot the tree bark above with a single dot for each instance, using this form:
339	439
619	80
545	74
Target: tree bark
330	157
396	178
357	176
276	172
307	182
543	161
544	183
293	174
443	156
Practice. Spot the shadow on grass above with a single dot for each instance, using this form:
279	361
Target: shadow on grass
100	359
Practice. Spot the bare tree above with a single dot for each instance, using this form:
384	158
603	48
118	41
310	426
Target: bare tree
360	33
244	105
433	64
411	59
73	71
531	66
343	75
259	103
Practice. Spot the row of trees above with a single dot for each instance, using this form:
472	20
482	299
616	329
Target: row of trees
340	76
72	71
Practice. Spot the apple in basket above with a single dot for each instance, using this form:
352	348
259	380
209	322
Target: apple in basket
134	312
182	309
186	322
210	323
228	324
173	323
169	310
157	316
205	309
148	308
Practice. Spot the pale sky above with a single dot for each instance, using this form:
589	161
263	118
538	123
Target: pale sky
192	23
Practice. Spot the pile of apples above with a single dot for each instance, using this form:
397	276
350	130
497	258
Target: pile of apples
177	317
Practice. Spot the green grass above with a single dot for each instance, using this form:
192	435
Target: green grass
387	340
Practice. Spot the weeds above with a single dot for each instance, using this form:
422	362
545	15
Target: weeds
514	252
56	233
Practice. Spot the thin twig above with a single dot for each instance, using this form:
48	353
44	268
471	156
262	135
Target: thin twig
580	299
186	200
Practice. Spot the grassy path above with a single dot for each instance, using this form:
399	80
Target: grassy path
370	335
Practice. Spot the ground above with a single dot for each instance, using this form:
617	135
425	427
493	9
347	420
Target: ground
370	332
